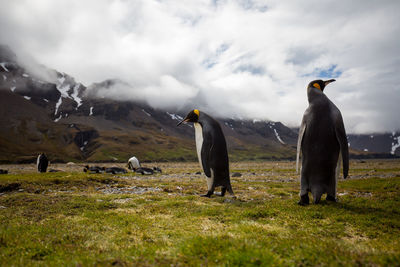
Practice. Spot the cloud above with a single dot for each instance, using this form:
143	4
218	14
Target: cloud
249	59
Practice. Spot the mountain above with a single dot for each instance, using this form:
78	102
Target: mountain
45	110
384	143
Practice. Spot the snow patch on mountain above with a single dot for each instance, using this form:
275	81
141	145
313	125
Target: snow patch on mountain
3	64
27	97
75	96
270	124
58	104
84	144
278	137
4	77
148	114
45	100
63	87
91	111
25	75
395	144
13	88
229	125
174	116
59	118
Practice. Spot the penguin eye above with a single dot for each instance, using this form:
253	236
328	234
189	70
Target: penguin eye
316	85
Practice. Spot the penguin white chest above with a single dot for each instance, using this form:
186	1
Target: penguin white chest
198	132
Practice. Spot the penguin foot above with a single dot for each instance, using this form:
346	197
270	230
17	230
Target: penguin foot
207	195
223	191
303	203
316	201
331	198
219	194
304	200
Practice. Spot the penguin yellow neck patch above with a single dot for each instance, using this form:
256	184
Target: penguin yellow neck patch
196	111
316	85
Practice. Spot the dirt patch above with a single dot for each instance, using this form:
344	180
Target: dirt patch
127	190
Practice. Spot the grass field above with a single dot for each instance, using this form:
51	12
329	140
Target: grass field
78	219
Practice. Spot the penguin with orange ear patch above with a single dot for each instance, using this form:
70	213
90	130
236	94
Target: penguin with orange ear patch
323	144
211	151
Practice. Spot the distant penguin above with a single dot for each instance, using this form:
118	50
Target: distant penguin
157	169
133	163
323	144
211	151
115	170
94	169
42	162
144	171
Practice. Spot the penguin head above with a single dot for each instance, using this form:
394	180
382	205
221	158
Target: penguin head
320	84
192	116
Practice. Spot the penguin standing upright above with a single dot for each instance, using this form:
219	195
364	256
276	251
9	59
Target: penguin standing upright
322	140
42	163
211	151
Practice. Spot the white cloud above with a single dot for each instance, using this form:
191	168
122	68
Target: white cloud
236	58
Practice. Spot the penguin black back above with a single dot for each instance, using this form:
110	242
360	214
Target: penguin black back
322	140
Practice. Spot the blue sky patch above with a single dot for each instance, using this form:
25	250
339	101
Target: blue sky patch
331	72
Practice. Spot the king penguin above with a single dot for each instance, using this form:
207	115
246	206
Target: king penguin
323	144
211	151
42	162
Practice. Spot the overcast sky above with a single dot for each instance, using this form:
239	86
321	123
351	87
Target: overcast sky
249	59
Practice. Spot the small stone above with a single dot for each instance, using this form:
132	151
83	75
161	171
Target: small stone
236	174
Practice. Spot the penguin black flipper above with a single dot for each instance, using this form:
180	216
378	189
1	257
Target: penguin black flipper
205	156
343	143
299	140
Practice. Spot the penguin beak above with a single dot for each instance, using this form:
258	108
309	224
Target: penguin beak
184	120
329	81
